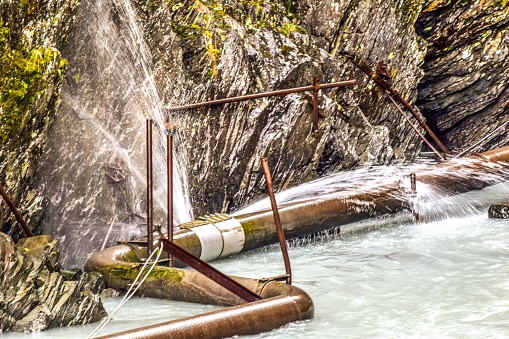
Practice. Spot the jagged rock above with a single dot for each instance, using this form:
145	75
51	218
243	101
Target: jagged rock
465	91
35	296
499	211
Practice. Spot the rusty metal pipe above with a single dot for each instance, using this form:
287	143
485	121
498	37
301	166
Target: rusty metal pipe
320	214
280	303
150	205
262	95
209	271
169	150
277	221
15	211
414	127
387	87
315	215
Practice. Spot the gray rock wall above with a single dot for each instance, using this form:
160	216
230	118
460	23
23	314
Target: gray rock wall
464	93
31	72
267	47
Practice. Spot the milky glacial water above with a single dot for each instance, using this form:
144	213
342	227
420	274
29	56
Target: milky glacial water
441	279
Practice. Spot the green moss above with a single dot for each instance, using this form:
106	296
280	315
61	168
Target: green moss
287	28
409	11
204	21
205	24
292	7
167	274
499	3
22	79
130	273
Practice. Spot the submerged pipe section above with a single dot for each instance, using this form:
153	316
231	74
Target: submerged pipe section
280	303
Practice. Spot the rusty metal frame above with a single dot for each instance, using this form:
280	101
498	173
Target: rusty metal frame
209	271
169	168
150	200
314	88
392	93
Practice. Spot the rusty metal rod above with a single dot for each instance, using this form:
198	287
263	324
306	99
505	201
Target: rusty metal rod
169	149
209	271
413	126
277	220
413	184
15	211
150	204
315	103
387	87
262	95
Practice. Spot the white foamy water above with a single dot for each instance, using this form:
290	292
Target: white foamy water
443	279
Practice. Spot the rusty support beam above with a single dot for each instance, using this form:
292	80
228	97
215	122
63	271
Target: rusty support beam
389	89
414	127
262	95
15	211
169	150
316	83
209	271
277	221
150	204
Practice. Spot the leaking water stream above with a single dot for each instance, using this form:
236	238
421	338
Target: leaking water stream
443	279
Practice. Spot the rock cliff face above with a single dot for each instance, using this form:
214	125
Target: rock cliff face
127	59
31	72
464	93
36	295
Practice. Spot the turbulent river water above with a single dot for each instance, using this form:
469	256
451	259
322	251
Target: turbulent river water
440	279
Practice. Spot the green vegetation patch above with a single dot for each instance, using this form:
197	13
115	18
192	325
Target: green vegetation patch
22	79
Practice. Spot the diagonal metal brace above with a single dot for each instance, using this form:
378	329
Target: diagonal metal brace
209	271
390	91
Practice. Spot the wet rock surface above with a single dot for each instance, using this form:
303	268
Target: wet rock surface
269	47
35	294
499	211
